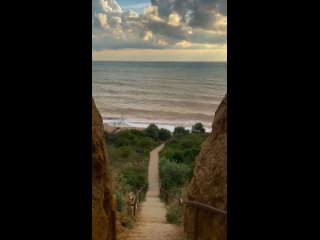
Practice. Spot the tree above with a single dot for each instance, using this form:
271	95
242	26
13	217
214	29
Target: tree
198	128
179	131
164	134
116	126
152	131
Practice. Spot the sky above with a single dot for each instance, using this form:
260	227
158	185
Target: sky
159	30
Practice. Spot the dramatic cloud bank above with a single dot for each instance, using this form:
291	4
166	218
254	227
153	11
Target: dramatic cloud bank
165	24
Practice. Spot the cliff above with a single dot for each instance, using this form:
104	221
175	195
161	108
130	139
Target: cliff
103	204
209	183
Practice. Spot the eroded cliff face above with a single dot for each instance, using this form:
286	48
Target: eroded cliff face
103	204
209	183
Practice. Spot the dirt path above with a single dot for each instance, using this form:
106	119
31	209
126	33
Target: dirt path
152	223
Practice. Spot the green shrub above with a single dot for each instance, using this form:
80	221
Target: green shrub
145	142
125	152
180	131
198	128
142	196
184	149
121	204
174	214
174	175
136	133
177	162
120	142
152	131
164	134
134	177
123	138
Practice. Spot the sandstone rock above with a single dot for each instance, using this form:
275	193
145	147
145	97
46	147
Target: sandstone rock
103	202
209	183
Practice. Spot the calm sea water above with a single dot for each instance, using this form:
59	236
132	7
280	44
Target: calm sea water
166	93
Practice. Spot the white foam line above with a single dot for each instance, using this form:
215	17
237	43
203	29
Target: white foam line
136	124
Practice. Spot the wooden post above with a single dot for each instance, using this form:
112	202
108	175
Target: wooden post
134	207
114	232
196	224
140	196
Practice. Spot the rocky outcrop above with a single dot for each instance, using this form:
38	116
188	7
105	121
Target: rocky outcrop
103	204
209	183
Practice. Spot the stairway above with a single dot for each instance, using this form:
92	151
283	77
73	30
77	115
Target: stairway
151	218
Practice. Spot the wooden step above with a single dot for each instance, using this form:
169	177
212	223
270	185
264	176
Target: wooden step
152	204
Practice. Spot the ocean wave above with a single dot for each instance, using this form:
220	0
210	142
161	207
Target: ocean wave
158	94
133	113
157	100
166	93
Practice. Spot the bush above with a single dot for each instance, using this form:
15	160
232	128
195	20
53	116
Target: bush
142	196
125	152
123	138
183	149
133	177
152	131
121	204
180	131
174	214
136	133
164	134
198	128
120	141
174	175
145	143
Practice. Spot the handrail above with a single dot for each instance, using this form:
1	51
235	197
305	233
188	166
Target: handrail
205	206
197	205
171	195
137	198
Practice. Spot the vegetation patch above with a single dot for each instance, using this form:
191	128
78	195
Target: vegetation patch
176	165
128	152
174	214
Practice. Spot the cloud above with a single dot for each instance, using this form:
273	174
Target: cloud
163	24
174	19
148	35
135	6
108	42
151	13
185	7
184	44
107	6
102	18
195	13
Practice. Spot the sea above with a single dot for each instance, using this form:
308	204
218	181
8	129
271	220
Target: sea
168	94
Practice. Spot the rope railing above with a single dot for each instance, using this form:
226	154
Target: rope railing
205	207
167	194
137	198
197	205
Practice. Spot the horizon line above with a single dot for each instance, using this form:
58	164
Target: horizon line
150	61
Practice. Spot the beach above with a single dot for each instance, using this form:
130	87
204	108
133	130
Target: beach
168	94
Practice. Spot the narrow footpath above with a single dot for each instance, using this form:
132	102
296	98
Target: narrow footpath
151	218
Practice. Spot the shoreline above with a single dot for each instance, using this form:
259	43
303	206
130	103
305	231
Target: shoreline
109	126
